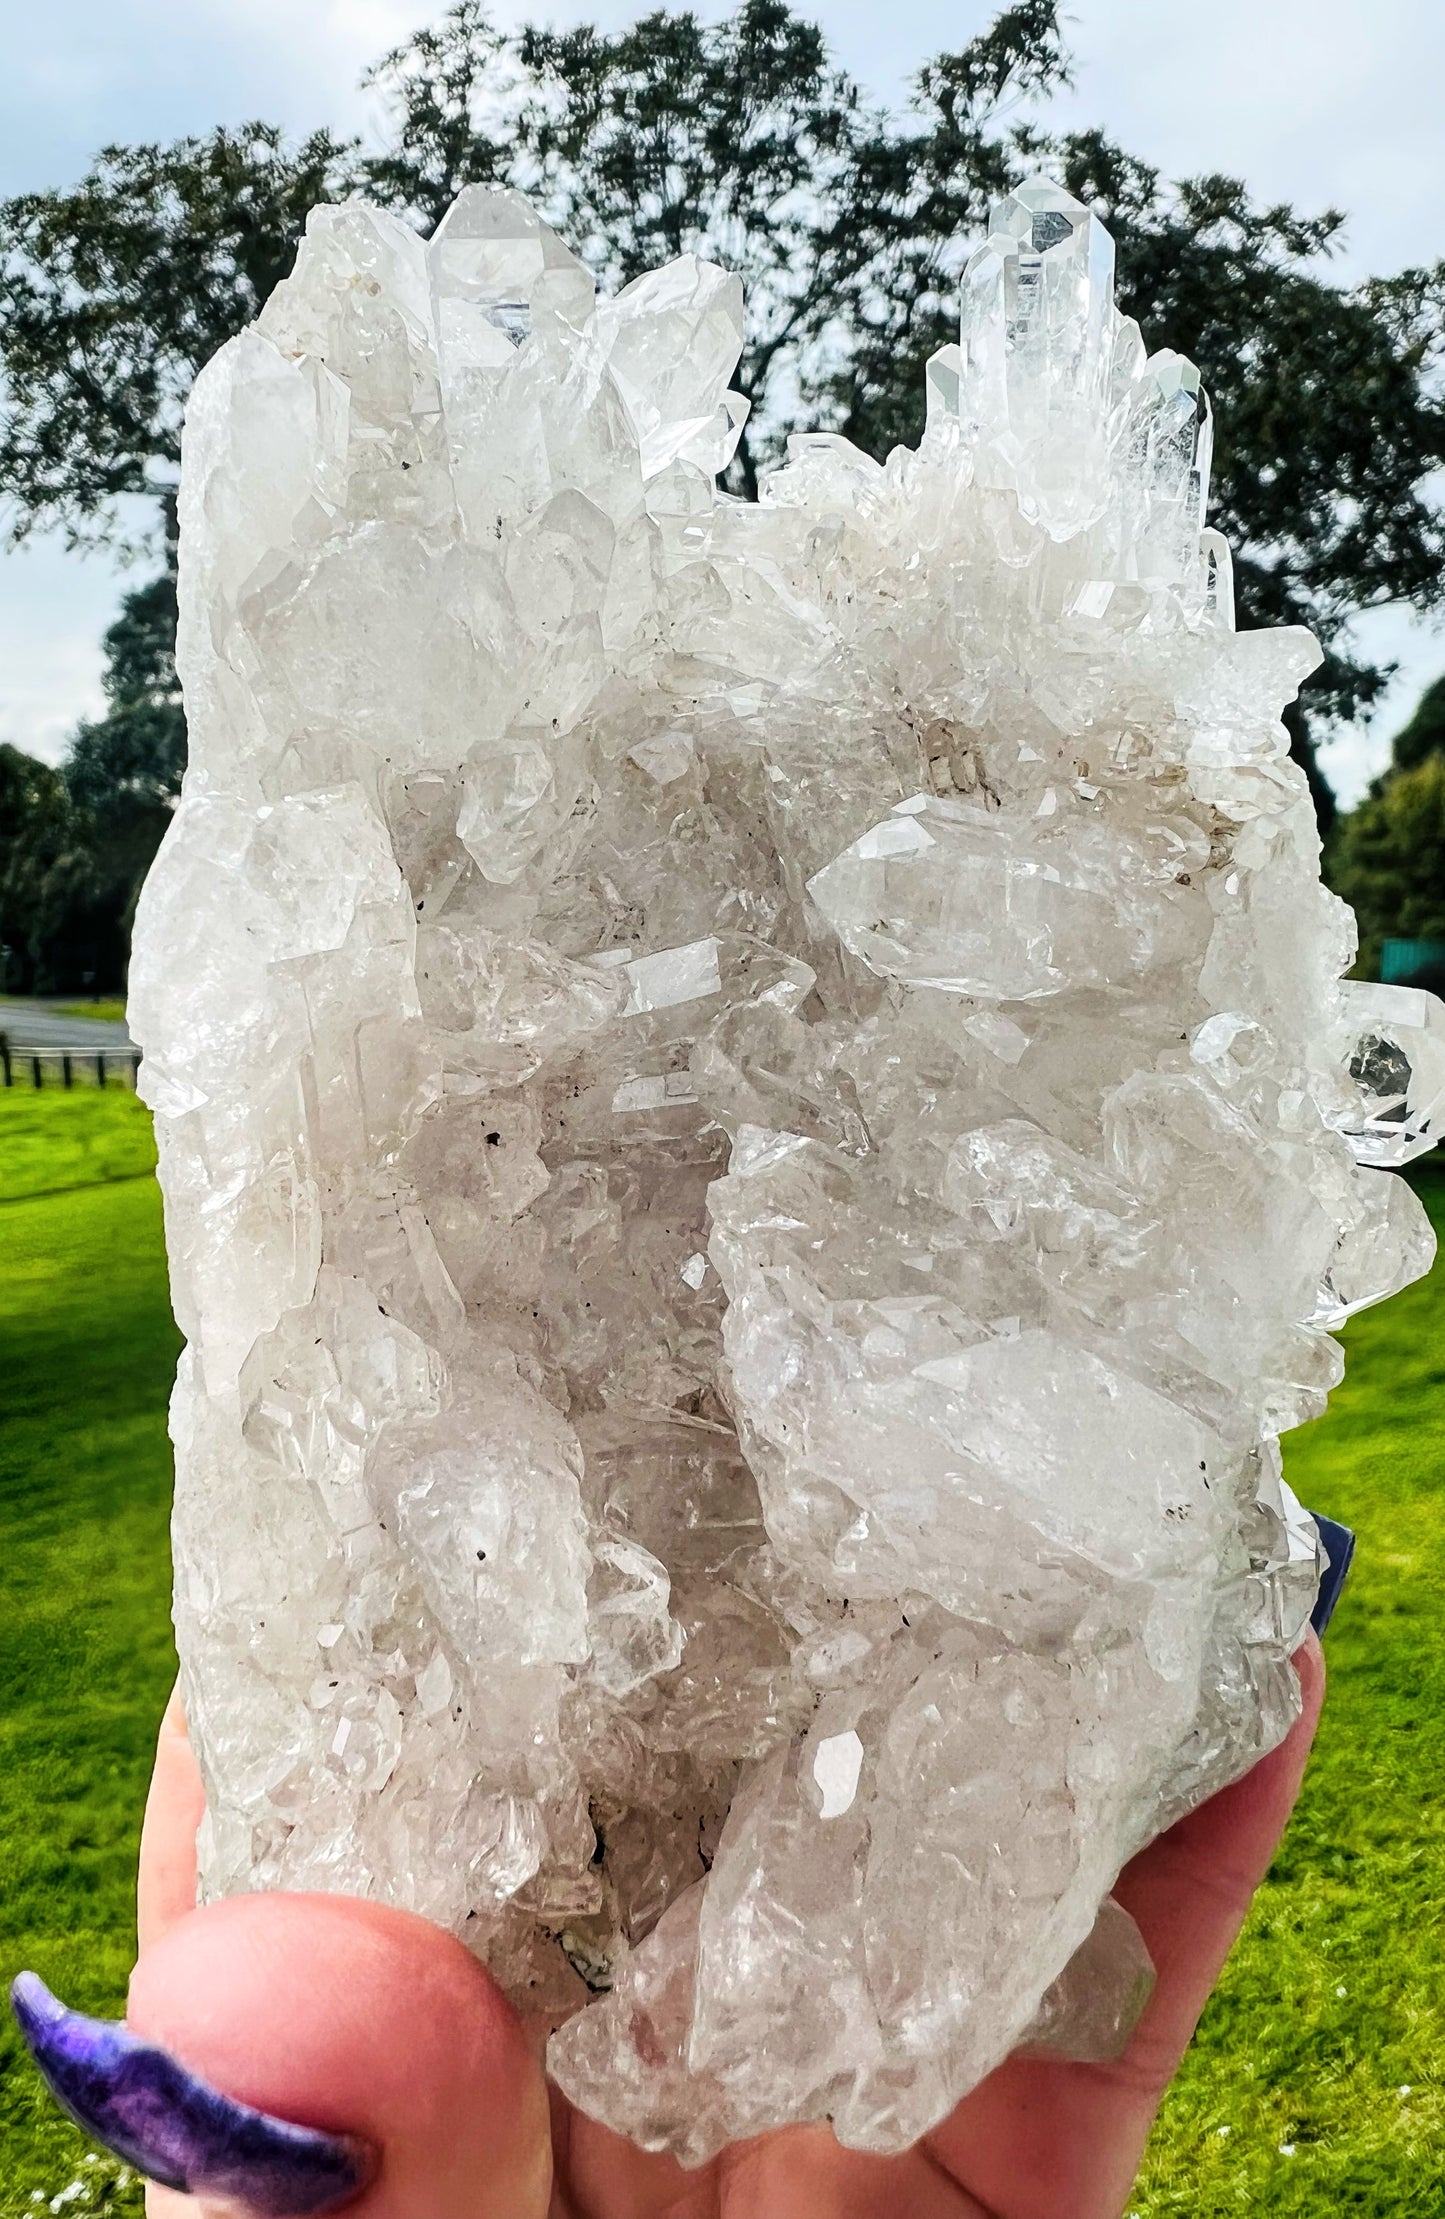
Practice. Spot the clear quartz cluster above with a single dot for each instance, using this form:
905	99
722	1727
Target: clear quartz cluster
760	1134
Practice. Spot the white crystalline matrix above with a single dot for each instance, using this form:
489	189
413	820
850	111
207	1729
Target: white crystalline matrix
760	1134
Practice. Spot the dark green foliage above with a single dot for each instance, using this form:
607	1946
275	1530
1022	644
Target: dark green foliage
75	845
62	926
1327	410
138	749
112	295
1387	857
37	830
1424	735
738	142
124	771
1388	860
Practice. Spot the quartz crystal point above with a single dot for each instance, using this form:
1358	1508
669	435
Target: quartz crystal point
761	1135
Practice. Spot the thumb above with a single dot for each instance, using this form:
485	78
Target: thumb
332	2014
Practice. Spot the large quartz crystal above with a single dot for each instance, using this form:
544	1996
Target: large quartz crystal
761	1134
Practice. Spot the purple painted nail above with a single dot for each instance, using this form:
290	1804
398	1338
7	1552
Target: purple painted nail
148	2109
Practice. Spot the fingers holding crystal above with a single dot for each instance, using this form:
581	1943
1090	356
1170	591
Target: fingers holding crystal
760	1137
363	2026
1038	2138
175	1806
175	2126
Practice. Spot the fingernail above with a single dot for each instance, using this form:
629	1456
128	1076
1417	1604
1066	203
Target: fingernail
1339	1546
147	2109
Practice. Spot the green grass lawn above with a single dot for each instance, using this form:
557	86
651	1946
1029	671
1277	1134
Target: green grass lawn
52	1142
1315	2085
87	1348
1317	2082
106	1006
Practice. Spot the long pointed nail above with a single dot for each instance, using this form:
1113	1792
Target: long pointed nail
1339	1546
146	2108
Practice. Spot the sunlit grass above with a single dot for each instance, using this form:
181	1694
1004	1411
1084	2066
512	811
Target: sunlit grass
53	1141
109	1008
1315	2083
87	1349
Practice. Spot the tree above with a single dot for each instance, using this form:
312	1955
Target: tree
738	142
742	140
1390	860
1424	735
54	934
76	843
34	827
1388	855
134	756
1328	412
111	297
113	294
124	771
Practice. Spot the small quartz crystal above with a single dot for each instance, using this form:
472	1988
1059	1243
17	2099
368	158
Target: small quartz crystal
761	1134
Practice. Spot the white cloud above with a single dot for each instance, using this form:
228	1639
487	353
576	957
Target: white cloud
53	609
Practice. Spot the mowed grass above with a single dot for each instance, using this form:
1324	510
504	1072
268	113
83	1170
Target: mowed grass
52	1141
87	1349
1315	2084
107	1007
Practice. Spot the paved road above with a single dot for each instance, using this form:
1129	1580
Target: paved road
33	1025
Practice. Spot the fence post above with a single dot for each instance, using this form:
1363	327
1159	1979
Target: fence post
5	1058
66	1075
35	1073
135	1073
100	1070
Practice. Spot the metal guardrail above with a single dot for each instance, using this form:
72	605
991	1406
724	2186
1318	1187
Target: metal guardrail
88	1066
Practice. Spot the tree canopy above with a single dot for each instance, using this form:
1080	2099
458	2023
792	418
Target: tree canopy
76	844
1387	857
116	290
60	926
743	141
1424	734
1391	861
134	755
35	828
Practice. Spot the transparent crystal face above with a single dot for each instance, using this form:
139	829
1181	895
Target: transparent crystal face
1397	1061
760	1135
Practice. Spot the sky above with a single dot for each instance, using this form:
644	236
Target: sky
1321	102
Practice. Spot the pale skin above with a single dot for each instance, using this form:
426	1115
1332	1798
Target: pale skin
344	2015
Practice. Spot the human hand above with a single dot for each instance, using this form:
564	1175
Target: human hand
370	2024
